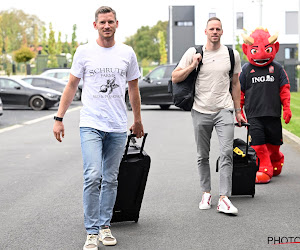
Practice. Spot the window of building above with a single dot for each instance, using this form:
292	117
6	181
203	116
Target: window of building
291	22
289	53
184	23
240	20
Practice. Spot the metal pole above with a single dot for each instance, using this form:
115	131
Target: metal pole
234	25
260	12
299	33
171	34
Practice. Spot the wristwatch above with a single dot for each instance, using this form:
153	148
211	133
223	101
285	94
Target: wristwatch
56	118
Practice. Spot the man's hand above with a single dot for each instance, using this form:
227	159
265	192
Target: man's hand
58	130
239	118
137	129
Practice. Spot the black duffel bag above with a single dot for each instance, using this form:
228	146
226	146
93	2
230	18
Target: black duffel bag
183	92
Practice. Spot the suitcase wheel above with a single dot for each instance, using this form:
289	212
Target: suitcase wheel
252	195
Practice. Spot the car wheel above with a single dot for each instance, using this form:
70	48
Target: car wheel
77	96
128	104
164	107
37	102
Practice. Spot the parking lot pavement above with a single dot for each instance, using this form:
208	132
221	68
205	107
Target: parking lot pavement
41	193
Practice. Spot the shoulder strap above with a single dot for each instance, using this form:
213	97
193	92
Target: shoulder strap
232	61
199	50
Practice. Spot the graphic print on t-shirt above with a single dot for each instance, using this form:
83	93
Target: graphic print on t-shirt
109	86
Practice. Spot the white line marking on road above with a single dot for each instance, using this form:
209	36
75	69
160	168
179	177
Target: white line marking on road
34	121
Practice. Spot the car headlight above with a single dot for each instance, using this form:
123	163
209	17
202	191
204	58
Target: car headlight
52	96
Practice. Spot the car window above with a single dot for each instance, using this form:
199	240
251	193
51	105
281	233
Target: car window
53	84
51	74
169	70
39	82
63	75
8	84
158	73
28	80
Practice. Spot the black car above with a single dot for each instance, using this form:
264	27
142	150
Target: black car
15	91
45	82
1	107
154	87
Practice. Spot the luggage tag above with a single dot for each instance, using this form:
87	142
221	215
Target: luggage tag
239	151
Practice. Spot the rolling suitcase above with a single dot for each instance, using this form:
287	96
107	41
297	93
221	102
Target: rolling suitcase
244	167
133	174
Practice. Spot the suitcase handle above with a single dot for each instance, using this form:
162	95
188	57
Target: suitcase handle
128	142
245	124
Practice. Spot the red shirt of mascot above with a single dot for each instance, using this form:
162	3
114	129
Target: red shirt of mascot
265	88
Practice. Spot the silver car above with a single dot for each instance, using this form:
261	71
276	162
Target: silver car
63	74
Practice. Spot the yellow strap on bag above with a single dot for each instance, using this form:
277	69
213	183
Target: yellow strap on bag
239	151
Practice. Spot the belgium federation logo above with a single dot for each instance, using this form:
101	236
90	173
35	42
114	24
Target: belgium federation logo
109	86
271	69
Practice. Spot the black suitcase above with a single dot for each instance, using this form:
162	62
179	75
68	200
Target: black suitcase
133	174
244	167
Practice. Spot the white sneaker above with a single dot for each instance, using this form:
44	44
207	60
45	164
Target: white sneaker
206	201
107	238
91	242
226	206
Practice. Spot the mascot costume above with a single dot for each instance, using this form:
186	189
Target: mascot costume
265	88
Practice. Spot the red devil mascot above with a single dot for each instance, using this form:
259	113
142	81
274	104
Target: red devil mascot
265	88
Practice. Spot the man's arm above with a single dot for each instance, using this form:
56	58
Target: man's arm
135	101
179	74
65	101
236	97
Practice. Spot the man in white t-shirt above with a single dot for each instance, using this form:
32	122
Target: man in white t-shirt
213	108
105	66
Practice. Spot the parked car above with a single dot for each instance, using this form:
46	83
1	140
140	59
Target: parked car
45	82
154	87
1	107
15	91
63	74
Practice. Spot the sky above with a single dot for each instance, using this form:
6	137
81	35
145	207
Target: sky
63	14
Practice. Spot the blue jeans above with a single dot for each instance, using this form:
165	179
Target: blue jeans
101	153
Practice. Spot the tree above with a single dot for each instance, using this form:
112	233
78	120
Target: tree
23	55
66	46
162	48
52	63
19	28
44	42
74	43
146	43
59	44
238	47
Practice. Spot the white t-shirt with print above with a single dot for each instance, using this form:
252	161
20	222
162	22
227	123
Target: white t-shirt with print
105	72
212	84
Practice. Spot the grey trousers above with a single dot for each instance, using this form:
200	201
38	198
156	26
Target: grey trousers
223	122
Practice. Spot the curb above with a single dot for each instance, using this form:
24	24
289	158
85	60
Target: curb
291	136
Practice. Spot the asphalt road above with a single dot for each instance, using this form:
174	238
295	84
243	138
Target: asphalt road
41	192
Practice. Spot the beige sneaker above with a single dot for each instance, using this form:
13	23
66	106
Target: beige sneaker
107	238
91	242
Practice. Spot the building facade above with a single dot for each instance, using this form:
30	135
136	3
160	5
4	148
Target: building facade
187	25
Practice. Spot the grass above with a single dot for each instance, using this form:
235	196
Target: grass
294	124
